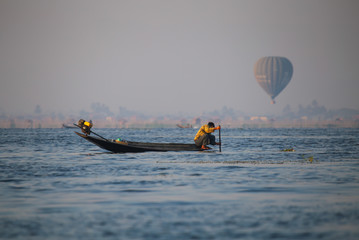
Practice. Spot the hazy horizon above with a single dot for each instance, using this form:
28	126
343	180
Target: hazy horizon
175	56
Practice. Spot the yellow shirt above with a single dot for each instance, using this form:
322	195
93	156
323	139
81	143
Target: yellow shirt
203	130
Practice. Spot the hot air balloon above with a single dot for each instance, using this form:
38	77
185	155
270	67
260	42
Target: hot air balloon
273	74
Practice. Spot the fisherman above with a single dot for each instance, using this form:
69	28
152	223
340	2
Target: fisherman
204	136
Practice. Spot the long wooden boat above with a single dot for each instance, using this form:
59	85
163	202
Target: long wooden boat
184	126
128	146
68	126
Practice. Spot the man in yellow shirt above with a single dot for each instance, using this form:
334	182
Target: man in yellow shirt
204	136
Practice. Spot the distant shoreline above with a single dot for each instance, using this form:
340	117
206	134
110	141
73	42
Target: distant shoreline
21	123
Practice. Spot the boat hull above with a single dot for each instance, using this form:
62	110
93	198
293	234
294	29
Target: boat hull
124	147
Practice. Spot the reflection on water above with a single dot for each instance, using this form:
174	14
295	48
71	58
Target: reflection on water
55	185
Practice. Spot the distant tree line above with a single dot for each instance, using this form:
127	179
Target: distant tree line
317	112
312	111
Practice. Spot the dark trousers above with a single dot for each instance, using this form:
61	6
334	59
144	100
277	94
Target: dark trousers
205	139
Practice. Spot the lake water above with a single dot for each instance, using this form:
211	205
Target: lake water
56	185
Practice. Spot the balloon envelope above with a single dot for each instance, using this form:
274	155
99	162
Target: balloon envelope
273	74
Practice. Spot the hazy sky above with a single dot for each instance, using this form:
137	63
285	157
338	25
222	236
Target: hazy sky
169	56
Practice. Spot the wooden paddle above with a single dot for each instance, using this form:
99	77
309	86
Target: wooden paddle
219	136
